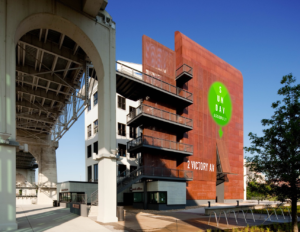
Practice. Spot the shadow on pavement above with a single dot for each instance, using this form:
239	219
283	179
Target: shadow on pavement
39	222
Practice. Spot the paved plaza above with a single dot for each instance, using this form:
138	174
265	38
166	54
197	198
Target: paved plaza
37	218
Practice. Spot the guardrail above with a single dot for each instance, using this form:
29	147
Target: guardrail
155	171
184	68
157	142
153	81
143	108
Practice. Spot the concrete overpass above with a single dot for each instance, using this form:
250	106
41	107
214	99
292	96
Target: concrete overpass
49	49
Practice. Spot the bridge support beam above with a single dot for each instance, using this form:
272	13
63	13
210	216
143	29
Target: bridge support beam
47	176
7	126
107	184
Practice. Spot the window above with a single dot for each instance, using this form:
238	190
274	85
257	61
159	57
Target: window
133	155
122	149
89	131
121	102
131	109
121	170
132	168
157	197
121	129
132	132
96	126
95	98
89	173
138	197
96	147
89	105
89	151
95	172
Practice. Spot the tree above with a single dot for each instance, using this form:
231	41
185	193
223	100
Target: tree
259	191
277	152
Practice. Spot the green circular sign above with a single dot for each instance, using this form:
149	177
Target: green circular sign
220	105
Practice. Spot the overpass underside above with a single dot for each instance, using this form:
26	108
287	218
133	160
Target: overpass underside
50	51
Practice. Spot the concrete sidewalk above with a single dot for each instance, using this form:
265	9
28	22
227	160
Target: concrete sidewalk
37	218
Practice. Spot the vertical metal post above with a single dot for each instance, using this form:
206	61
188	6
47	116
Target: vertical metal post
145	194
275	213
74	105
86	82
65	116
252	215
244	217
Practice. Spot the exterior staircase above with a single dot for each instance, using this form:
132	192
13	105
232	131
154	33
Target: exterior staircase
93	211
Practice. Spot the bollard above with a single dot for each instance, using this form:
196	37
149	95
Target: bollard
237	203
120	213
208	203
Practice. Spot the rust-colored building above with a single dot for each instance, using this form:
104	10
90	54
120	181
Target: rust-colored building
180	145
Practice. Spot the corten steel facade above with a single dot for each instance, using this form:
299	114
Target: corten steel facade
206	68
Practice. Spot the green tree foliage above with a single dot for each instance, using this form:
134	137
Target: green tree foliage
276	153
259	191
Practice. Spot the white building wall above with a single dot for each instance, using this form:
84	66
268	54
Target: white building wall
92	115
176	191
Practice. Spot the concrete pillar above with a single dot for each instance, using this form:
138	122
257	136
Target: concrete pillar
107	192
47	176
145	195
7	125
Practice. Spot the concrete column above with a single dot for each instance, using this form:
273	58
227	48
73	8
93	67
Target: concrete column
145	195
107	192
7	125
47	176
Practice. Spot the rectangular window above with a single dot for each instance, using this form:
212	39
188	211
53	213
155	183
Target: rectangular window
121	102
138	197
121	170
157	197
96	147
96	126
89	105
89	130
133	155
89	151
122	149
133	168
132	132
121	129
89	174
95	172
95	98
131	109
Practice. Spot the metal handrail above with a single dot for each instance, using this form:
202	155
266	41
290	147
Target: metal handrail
156	171
157	142
94	197
184	68
154	81
144	108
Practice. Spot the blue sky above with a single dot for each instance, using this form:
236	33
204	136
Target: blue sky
260	38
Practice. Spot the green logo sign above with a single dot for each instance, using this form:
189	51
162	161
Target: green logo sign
219	103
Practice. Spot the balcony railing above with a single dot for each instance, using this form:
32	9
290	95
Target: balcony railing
156	172
149	110
159	143
184	69
154	81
